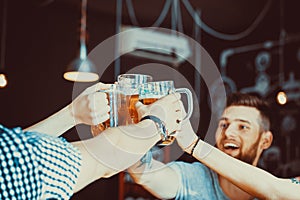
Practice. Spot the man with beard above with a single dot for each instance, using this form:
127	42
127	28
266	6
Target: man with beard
243	133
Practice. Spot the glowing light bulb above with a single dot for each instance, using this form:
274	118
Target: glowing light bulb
281	98
3	81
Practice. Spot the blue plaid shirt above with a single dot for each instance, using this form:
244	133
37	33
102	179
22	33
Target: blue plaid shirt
36	166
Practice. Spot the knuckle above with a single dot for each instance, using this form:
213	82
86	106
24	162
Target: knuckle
95	122
100	95
107	108
92	106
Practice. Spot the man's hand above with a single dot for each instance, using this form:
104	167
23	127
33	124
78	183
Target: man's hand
91	106
167	109
186	137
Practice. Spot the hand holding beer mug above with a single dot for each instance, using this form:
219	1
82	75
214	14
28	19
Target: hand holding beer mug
151	91
122	98
111	94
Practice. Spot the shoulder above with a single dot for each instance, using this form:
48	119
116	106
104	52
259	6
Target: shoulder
186	164
195	167
196	181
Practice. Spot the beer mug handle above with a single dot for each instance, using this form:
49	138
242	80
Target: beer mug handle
112	93
189	101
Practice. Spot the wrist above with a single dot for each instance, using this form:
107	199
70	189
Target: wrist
151	129
195	146
160	126
189	148
70	115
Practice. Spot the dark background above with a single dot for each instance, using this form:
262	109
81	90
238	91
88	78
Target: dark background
42	38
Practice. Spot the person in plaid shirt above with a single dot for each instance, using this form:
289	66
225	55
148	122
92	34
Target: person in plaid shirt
36	164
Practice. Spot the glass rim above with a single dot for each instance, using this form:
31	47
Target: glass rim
159	83
143	75
164	81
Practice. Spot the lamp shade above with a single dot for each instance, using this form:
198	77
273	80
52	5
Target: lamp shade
81	70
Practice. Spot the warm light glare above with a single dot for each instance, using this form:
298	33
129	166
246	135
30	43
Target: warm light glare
81	76
281	98
3	81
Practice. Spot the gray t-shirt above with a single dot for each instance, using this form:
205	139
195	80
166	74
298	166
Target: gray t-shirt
197	182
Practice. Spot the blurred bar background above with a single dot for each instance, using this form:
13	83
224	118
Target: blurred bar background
255	44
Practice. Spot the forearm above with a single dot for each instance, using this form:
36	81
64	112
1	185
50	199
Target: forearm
253	180
114	150
56	124
90	169
157	178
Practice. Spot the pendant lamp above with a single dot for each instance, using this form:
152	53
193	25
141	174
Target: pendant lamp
82	69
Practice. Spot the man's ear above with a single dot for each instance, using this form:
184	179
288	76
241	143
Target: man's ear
266	139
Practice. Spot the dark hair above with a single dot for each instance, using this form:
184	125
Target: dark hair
240	99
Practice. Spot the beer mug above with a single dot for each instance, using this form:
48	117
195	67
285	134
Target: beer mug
122	98
128	85
112	97
151	91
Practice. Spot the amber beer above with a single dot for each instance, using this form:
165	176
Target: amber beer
128	85
133	112
97	129
122	99
127	113
147	101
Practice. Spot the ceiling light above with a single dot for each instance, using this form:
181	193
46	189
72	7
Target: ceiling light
3	78
281	98
290	90
82	69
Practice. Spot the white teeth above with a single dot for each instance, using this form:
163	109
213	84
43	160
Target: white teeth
230	145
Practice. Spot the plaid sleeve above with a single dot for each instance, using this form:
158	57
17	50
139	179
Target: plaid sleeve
37	166
296	180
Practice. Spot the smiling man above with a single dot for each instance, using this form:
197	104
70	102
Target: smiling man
243	133
242	127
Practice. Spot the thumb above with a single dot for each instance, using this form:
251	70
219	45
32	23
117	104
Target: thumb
102	86
140	108
96	87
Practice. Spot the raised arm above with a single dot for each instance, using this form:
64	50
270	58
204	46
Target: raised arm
158	178
117	148
90	107
249	178
253	180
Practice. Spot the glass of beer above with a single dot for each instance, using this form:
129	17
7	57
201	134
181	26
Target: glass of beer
122	98
151	91
128	85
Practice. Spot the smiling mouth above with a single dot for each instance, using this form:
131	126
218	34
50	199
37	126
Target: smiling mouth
230	146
